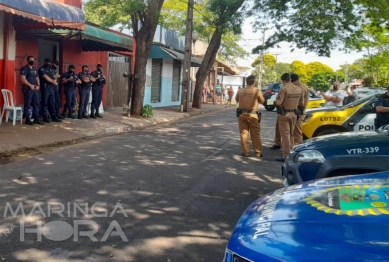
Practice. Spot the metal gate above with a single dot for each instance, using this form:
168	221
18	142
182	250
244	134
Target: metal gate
156	80
117	86
176	80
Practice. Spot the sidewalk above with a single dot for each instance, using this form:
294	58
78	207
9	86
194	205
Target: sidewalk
29	138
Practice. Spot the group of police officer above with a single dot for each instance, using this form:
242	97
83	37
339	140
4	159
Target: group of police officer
41	91
291	103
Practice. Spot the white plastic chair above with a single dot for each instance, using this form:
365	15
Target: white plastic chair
8	106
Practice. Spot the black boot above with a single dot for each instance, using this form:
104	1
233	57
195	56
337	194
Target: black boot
98	115
28	121
55	119
46	119
79	116
84	115
72	116
59	116
38	122
92	115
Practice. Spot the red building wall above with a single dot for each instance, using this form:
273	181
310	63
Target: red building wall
73	54
76	3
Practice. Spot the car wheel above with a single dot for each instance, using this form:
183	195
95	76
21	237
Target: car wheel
328	131
268	107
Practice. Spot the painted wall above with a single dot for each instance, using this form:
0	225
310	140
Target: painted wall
233	81
166	86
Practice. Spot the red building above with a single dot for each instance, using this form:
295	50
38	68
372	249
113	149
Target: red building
57	29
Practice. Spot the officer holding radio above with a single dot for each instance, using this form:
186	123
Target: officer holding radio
249	99
30	86
70	81
85	87
97	91
288	100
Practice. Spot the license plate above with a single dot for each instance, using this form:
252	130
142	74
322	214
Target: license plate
270	102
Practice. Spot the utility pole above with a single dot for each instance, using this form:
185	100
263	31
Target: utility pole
262	57
345	73
275	74
187	59
276	55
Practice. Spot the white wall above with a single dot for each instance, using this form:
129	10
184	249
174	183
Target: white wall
233	81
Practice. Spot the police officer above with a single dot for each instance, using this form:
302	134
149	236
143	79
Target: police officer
298	128
57	97
382	110
70	81
289	98
30	86
47	80
248	99
85	87
97	91
277	139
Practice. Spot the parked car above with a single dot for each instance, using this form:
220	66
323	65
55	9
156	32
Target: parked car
348	153
273	90
356	116
336	219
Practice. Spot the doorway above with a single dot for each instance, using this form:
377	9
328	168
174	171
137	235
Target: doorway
47	49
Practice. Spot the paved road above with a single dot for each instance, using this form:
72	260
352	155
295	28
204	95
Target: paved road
182	186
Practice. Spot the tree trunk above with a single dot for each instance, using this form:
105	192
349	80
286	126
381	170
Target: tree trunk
144	39
206	65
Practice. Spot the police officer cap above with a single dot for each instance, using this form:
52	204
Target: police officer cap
99	65
294	77
47	60
72	67
55	62
250	77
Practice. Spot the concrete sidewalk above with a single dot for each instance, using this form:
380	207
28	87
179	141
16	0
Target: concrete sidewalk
30	138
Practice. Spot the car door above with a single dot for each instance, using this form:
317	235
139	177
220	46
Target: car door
363	119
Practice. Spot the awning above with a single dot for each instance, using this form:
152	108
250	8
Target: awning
157	51
49	13
96	39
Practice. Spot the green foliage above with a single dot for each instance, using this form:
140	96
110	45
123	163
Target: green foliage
268	61
318	26
298	68
368	81
317	67
319	82
383	77
147	111
280	69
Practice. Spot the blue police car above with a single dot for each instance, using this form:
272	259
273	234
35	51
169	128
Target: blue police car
347	153
333	219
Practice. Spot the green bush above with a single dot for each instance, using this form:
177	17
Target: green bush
147	111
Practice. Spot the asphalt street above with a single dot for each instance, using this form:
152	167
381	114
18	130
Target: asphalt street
175	190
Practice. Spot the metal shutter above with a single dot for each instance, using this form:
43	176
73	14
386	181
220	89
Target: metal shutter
156	80
176	81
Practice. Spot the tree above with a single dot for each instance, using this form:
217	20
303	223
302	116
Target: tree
319	82
268	61
140	15
318	26
355	70
298	68
228	15
280	69
317	67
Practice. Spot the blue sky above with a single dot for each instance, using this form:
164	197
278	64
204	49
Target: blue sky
251	40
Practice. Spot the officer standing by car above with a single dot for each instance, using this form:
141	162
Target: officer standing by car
58	102
298	128
47	80
249	99
70	81
289	98
97	91
85	87
382	110
30	86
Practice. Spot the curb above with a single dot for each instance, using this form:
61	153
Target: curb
6	156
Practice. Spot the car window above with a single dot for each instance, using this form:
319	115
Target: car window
268	86
359	101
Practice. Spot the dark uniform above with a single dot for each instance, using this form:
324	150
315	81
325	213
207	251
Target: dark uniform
30	96
85	89
47	91
57	96
382	118
97	92
249	98
70	92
